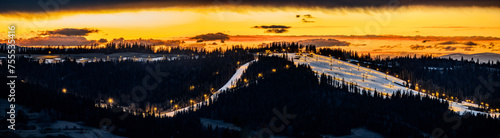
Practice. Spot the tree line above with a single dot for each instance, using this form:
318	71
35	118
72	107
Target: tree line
173	83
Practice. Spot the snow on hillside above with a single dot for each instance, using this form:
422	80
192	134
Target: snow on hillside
368	78
228	85
44	128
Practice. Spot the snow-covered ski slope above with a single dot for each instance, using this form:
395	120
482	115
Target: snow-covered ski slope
236	76
368	78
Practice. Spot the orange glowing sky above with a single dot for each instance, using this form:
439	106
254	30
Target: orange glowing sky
180	23
168	23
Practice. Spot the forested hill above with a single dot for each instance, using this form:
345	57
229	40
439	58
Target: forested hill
170	83
274	84
464	79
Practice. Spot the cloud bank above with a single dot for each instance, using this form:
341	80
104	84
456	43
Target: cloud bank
274	28
324	42
211	36
70	32
55	5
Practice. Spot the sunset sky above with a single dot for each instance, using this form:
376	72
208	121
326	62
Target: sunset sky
169	21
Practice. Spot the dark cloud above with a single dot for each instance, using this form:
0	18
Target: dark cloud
148	41
211	36
56	41
102	40
54	5
448	43
308	16
470	43
324	42
445	48
274	28
390	47
70	32
468	48
307	21
419	47
449	48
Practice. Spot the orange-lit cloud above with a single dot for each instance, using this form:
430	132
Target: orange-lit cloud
55	41
70	32
274	28
148	41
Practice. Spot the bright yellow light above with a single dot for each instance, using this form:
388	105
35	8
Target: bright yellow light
191	87
260	75
110	100
64	90
274	70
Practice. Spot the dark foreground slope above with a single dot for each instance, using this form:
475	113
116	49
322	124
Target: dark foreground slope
327	108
